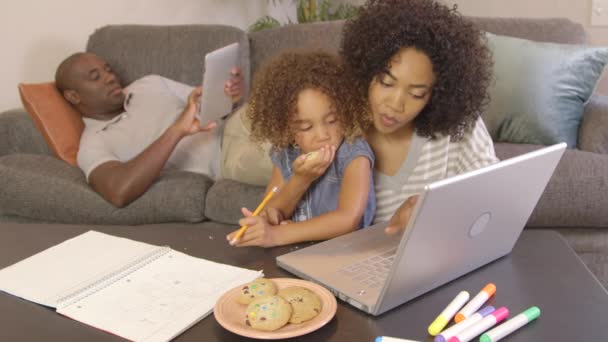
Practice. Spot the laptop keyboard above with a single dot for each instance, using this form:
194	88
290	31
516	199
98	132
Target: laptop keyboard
371	272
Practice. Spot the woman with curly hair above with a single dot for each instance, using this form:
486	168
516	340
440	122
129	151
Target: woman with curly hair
423	71
304	105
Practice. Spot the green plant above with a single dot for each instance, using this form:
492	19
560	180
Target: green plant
309	11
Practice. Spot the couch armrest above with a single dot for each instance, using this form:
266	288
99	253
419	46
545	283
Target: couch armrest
47	189
19	135
593	132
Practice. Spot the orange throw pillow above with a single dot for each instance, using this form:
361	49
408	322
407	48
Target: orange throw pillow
60	124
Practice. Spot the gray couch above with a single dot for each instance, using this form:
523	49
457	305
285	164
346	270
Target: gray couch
37	187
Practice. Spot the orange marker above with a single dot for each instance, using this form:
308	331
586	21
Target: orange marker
475	303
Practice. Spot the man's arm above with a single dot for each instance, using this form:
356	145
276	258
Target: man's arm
121	183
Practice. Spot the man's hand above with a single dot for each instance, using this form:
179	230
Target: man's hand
401	216
259	232
187	123
313	165
233	87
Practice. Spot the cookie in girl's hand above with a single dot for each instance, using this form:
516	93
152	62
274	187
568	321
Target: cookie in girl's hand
268	313
312	155
258	288
305	303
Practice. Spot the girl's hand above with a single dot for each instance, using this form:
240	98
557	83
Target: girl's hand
273	215
313	165
401	217
259	232
233	87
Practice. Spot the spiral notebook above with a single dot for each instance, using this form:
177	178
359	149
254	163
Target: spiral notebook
135	290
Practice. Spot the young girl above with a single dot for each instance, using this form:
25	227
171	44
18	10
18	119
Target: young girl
304	104
424	71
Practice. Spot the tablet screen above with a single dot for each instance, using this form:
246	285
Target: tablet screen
215	104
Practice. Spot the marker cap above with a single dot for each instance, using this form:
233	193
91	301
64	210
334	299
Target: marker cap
486	311
438	324
490	289
532	313
483	338
459	318
501	313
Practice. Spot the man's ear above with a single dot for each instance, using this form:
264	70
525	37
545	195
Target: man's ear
71	96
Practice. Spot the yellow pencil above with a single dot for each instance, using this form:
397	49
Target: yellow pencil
242	230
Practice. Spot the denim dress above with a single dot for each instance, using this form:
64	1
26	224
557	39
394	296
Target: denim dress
322	196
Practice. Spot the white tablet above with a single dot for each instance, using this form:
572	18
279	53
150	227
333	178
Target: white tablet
215	104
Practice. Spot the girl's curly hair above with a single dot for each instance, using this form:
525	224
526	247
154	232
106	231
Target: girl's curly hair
458	50
273	103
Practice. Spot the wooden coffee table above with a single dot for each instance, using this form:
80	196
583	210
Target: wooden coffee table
542	270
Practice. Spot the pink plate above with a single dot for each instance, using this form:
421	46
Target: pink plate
231	315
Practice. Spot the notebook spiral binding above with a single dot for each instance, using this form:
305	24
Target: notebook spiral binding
113	277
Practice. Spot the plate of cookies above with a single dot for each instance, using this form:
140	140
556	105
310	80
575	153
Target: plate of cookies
275	308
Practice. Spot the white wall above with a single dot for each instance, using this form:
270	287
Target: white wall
36	35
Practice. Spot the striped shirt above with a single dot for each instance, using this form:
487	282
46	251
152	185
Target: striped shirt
429	160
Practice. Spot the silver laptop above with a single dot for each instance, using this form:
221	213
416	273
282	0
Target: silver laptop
457	225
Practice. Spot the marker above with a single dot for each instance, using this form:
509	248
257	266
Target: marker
486	323
511	325
455	329
391	339
448	313
475	303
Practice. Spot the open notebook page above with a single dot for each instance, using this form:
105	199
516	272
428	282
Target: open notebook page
46	277
159	300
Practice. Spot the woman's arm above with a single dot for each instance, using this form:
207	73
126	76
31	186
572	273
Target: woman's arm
352	201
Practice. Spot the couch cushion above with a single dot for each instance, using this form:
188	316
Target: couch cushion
45	188
242	159
226	198
554	30
576	193
59	123
176	51
593	132
19	135
540	89
267	43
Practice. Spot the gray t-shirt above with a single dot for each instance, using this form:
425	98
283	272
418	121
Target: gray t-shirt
322	196
152	104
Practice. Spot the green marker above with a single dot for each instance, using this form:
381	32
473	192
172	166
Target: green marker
511	325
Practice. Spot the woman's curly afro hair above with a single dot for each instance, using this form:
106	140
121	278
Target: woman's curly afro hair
273	103
461	60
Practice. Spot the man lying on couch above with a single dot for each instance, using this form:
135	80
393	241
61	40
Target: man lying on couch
132	134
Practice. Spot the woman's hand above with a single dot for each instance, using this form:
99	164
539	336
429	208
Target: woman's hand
313	165
401	217
259	232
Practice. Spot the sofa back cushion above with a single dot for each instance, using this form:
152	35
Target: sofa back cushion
267	43
328	35
552	30
176	52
